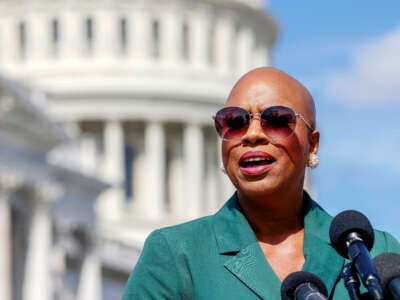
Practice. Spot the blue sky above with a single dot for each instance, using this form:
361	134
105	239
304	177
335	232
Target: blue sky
348	54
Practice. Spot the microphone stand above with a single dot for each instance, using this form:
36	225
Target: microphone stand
351	281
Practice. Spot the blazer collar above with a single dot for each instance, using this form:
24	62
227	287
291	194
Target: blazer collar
236	238
231	228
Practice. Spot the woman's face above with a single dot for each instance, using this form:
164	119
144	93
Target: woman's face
284	161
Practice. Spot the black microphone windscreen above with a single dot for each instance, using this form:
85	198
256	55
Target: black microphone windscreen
293	280
388	267
346	222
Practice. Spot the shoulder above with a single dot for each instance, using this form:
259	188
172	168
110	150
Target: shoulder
321	221
193	226
384	242
185	235
162	271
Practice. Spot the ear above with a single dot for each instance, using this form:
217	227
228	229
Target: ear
314	141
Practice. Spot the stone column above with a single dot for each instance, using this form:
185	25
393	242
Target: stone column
8	183
199	40
176	176
71	34
194	169
153	206
88	154
245	45
90	275
261	56
107	35
171	38
38	35
37	281
86	147
224	37
136	139
9	46
113	152
113	169
140	35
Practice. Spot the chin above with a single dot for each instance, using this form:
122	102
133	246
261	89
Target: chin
257	189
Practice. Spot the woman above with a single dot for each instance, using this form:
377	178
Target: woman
269	228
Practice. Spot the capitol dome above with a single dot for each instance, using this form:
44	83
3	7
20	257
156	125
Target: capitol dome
125	72
127	46
136	83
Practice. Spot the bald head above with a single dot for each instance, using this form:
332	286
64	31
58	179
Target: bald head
267	86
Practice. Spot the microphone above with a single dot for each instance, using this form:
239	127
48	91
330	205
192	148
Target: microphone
388	267
352	236
303	286
351	281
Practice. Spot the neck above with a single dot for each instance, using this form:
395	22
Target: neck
275	216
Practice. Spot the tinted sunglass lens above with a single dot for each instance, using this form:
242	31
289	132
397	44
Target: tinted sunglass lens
232	122
279	122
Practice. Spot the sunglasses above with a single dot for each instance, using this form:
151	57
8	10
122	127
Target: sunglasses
277	122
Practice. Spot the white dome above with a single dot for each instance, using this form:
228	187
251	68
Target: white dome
75	48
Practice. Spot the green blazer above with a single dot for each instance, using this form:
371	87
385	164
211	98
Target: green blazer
218	257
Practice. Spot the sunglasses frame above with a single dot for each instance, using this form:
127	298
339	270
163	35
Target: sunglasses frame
258	116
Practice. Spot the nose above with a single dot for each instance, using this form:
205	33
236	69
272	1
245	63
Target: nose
255	134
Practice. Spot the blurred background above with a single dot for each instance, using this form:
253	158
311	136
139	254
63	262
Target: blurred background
106	130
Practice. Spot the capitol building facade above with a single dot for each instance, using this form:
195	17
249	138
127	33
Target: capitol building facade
106	130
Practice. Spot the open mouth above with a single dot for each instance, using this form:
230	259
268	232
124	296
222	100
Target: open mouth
256	163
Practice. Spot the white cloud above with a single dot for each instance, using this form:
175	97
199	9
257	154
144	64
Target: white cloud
373	74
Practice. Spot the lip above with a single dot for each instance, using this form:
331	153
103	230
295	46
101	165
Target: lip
256	170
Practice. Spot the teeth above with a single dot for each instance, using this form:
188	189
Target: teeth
255	159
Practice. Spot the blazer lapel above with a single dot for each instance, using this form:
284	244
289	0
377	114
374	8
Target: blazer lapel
253	270
247	263
235	238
